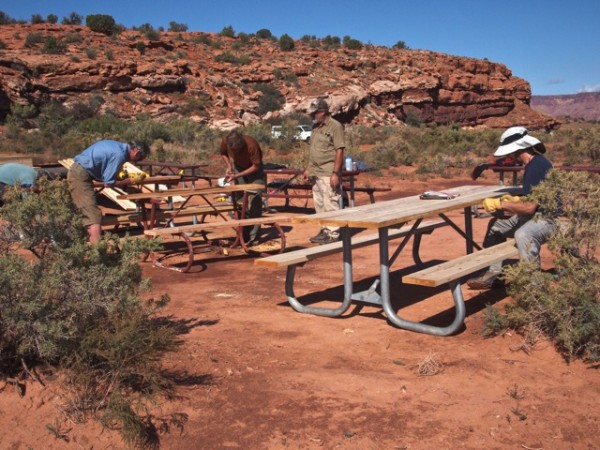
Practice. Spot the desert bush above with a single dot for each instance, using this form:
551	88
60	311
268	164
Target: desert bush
400	45
91	52
331	42
101	23
54	46
352	44
264	33
177	27
5	19
563	304
228	31
33	38
72	19
73	38
271	100
76	310
286	43
52	18
37	18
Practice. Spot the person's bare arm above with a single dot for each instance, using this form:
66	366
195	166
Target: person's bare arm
336	178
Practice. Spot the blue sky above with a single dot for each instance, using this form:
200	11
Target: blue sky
553	44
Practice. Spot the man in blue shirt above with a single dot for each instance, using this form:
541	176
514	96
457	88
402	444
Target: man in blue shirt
528	226
14	173
101	161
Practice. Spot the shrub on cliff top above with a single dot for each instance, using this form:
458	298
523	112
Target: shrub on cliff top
101	23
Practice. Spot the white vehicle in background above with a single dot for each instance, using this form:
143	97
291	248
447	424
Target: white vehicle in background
303	132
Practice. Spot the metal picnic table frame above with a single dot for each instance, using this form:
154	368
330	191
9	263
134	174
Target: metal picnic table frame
383	216
292	174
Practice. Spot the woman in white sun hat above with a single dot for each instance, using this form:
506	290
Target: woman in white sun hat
526	223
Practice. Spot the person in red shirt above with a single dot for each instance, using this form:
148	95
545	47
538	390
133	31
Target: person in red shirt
243	161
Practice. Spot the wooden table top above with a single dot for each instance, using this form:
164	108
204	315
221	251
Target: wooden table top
194	191
402	210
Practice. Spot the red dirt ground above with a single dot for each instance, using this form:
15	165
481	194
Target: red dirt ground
271	378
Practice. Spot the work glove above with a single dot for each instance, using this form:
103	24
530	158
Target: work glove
491	204
137	177
510	198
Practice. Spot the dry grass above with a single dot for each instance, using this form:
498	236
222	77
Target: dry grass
429	366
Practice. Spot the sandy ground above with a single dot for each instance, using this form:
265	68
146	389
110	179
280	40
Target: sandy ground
267	377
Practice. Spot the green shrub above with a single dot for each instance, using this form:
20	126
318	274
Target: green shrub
400	45
286	43
54	46
101	23
72	19
352	44
52	18
36	18
5	19
91	52
331	42
264	33
563	304
73	38
177	27
76	310
271	100
33	38
228	31
140	47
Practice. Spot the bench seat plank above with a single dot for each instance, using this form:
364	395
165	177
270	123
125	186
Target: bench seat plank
465	265
307	254
164	214
214	225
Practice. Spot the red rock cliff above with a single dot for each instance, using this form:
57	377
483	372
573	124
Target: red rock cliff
211	78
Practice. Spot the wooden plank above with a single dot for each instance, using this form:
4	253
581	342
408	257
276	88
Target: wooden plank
465	265
307	254
213	225
162	214
19	159
197	191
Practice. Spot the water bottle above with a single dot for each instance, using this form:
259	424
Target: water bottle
348	163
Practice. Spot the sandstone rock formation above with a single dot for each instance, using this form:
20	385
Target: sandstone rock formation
212	79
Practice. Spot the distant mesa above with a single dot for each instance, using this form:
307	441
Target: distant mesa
585	106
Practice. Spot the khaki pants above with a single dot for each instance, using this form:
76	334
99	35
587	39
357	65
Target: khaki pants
326	199
83	195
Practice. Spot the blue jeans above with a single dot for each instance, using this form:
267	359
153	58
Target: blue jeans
529	231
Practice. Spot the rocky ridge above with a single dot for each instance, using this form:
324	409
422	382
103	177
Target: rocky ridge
211	78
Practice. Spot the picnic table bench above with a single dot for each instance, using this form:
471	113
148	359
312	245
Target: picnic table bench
185	232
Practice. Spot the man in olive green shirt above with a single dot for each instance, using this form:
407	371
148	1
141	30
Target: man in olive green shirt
325	165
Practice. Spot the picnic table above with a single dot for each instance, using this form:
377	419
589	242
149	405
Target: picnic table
228	214
394	219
